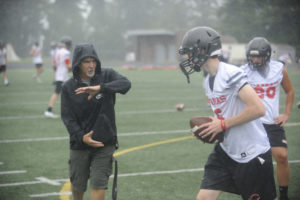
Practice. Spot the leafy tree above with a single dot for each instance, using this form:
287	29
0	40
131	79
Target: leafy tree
20	23
277	20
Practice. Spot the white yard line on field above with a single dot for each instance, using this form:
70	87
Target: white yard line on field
31	182
13	172
120	113
135	112
119	135
34	139
161	172
22	117
50	194
48	181
57	181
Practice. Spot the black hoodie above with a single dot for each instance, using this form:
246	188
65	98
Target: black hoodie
80	114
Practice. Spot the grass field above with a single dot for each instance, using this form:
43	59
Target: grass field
165	165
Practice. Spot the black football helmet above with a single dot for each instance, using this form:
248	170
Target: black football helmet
67	41
198	44
258	46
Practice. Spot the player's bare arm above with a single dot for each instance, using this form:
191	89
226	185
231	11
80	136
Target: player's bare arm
253	110
289	91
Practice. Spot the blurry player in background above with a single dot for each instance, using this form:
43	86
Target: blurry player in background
266	76
63	66
3	62
36	53
53	51
242	163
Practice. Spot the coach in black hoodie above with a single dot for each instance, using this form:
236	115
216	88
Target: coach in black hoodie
87	110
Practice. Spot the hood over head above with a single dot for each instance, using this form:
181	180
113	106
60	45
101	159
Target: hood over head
82	51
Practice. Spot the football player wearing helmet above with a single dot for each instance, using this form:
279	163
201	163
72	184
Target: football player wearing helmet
198	45
63	66
237	109
266	76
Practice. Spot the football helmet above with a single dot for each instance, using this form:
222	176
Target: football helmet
67	41
258	46
198	44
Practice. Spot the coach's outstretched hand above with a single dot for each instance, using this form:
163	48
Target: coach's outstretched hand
91	90
87	139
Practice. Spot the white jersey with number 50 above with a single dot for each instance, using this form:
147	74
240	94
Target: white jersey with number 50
267	86
243	142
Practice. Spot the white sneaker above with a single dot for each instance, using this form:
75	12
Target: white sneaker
38	80
6	82
50	115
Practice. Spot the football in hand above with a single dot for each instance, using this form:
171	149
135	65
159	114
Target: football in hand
196	121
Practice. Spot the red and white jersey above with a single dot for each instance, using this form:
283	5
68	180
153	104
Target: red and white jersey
266	83
62	58
242	142
37	54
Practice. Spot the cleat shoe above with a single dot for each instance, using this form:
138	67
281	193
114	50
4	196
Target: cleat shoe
50	115
6	82
38	80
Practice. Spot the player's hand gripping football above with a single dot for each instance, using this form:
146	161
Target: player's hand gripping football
91	90
207	129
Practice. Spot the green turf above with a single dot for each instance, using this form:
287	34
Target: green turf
148	107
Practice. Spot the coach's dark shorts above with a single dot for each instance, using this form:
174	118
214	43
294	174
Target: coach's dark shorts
58	86
2	68
276	135
95	165
252	180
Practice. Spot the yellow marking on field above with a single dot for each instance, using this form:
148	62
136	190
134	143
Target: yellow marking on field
67	186
151	145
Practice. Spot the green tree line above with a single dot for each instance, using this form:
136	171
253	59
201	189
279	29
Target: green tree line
105	22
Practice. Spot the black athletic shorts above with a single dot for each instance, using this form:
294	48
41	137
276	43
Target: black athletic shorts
2	68
252	180
39	65
58	87
276	135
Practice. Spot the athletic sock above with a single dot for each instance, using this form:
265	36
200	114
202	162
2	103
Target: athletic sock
49	109
283	192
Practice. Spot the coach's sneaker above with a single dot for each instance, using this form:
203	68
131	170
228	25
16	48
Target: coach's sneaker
50	115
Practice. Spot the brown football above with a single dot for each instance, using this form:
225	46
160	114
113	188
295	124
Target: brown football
196	121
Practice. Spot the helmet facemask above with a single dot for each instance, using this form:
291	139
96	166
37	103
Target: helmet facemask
192	60
258	47
199	44
258	66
